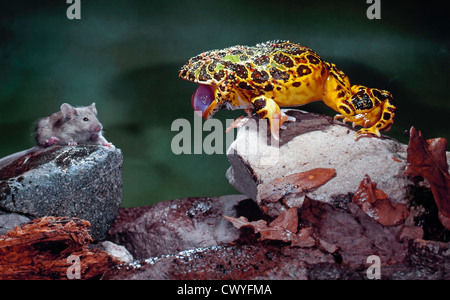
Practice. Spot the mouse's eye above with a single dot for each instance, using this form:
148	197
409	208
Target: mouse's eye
85	119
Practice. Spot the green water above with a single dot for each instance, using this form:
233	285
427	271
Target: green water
124	55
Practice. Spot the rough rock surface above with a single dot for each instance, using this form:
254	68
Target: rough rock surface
426	261
343	198
172	226
74	181
348	201
184	239
226	262
315	141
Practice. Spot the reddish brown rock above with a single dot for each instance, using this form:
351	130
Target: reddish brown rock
259	261
172	226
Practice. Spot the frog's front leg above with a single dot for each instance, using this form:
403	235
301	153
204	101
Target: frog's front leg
371	108
267	108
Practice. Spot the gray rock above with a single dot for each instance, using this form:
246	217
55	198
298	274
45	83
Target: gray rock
315	141
74	181
10	221
117	251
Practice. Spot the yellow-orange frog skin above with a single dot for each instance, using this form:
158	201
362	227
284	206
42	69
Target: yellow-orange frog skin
278	74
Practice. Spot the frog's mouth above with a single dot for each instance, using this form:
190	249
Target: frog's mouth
203	101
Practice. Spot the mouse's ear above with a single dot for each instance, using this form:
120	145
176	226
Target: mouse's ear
93	108
68	111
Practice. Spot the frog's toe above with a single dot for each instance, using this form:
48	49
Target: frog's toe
290	119
367	132
239	122
337	117
275	131
286	118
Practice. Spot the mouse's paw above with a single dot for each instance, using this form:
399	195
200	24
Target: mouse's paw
51	141
72	143
109	145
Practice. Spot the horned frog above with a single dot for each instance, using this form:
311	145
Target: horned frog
281	73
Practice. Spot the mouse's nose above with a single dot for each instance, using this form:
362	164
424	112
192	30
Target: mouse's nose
97	128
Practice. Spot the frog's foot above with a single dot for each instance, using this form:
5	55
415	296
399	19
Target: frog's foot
287	119
370	108
239	122
266	108
357	120
384	123
367	132
371	128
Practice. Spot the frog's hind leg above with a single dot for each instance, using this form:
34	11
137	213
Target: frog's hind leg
267	108
384	122
371	108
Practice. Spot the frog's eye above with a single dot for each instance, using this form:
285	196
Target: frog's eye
86	119
202	98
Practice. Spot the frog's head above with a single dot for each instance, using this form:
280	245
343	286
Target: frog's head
217	79
207	99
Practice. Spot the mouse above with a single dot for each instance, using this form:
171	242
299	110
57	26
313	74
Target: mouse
71	126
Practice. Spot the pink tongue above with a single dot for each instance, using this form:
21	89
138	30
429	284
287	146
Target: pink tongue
202	98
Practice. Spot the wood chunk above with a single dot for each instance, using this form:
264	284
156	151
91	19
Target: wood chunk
40	250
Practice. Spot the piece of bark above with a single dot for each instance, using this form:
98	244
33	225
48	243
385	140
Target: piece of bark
40	250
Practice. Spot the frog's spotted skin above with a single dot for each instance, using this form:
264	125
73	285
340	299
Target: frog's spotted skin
280	73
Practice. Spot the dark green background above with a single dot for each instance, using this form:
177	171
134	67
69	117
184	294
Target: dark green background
124	55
